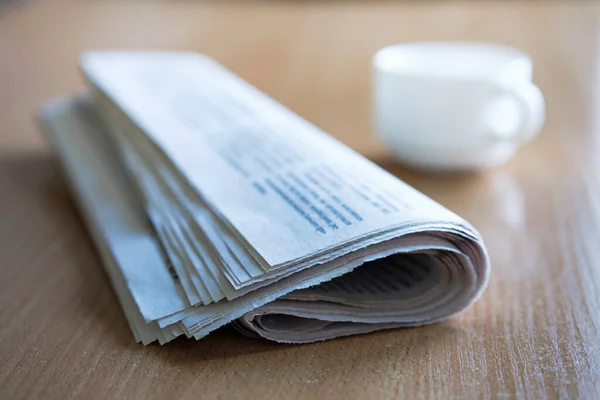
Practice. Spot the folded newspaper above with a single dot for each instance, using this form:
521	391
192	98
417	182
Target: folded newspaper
211	203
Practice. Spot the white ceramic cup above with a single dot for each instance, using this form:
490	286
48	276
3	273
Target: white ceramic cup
455	105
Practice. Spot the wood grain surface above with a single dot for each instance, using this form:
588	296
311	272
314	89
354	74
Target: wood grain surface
535	332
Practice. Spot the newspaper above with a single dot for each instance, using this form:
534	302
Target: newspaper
211	203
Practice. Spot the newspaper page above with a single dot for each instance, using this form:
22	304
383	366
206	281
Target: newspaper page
254	216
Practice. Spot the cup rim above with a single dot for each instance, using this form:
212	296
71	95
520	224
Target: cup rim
378	63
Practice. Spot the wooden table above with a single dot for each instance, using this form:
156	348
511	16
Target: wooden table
535	332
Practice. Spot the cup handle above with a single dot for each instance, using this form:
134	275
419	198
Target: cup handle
530	99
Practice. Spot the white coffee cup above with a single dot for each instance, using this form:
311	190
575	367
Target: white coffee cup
455	105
